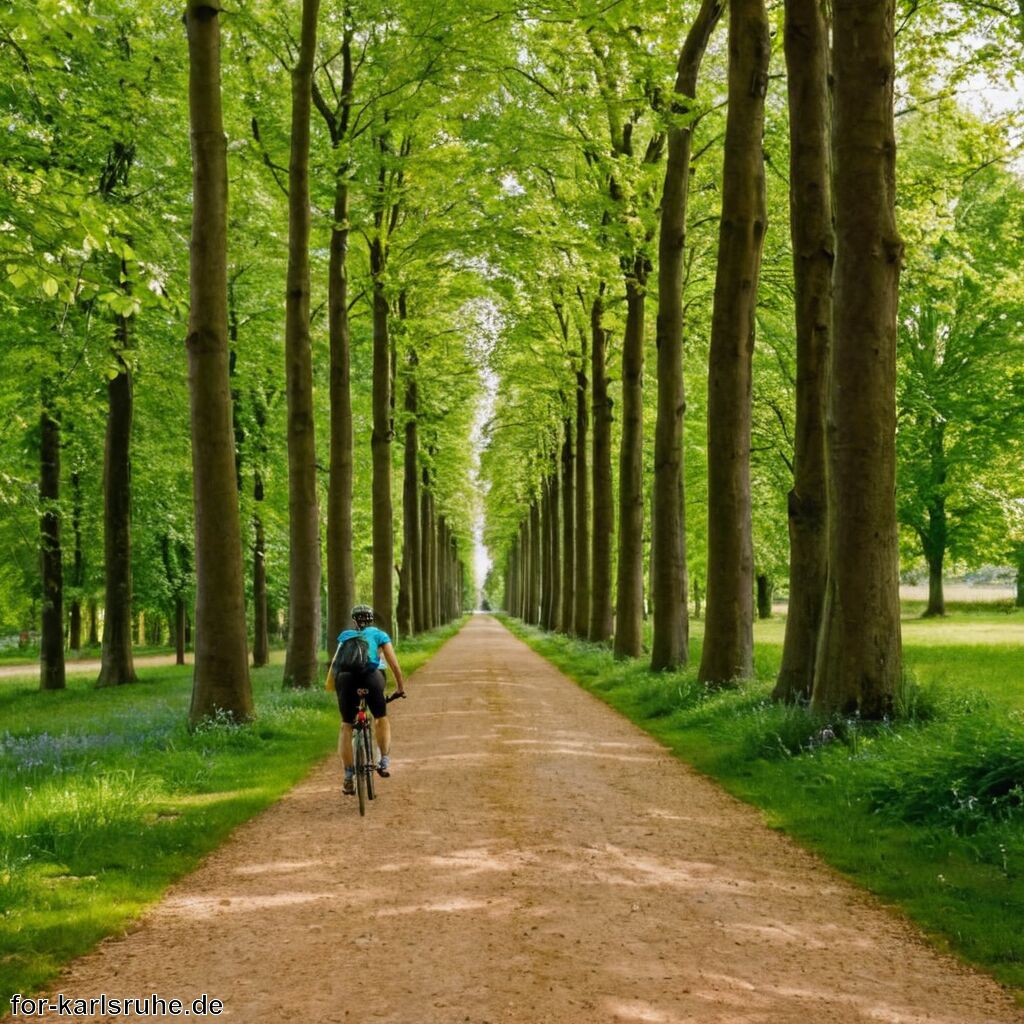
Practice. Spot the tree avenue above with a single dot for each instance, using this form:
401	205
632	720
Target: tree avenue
459	238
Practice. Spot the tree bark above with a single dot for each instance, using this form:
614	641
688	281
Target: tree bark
555	543
813	237
536	555
380	443
600	629
426	572
936	536
179	630
341	584
78	565
581	586
629	601
301	669
411	557
859	661
221	673
117	666
261	619
568	532
765	592
51	559
727	653
669	584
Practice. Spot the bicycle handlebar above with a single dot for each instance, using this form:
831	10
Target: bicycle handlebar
394	696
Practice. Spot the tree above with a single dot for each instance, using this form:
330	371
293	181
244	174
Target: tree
859	661
301	669
959	354
670	647
221	675
811	228
728	637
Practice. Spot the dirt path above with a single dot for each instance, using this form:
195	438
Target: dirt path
87	667
533	860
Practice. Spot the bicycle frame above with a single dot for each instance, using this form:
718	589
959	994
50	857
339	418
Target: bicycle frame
362	749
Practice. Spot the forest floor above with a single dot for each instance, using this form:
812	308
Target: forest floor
534	859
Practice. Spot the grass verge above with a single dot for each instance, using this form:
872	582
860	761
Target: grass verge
106	798
927	812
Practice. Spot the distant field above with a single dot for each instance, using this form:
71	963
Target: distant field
962	592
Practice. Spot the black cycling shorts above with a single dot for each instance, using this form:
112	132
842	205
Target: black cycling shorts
347	683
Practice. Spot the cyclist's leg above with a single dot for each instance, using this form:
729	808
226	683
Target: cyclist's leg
381	723
348	704
347	757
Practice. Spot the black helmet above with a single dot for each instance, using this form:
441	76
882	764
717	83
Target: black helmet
362	613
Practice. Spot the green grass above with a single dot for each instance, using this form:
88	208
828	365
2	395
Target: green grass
106	798
927	812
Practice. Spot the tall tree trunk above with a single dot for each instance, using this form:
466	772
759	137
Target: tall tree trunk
555	544
937	529
629	602
426	529
813	238
411	557
1019	553
728	649
860	660
261	619
536	556
765	592
600	628
51	559
301	669
380	443
117	665
341	584
221	673
671	640
581	585
568	531
935	542
94	615
78	565
179	630
435	562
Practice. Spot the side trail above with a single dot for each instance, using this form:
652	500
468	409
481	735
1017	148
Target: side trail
535	859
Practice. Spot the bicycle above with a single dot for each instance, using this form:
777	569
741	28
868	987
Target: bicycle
362	744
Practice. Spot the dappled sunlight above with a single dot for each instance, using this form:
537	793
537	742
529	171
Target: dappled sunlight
455	905
635	1009
202	907
562	739
560	750
279	867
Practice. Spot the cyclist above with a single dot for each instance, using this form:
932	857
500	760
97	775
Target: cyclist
372	679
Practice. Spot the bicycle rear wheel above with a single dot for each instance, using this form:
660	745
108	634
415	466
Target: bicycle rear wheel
367	740
362	774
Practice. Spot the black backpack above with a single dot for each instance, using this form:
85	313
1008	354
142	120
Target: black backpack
353	656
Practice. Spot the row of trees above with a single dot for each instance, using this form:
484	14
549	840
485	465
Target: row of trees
815	415
524	208
97	289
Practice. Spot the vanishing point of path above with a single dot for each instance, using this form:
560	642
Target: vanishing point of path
534	859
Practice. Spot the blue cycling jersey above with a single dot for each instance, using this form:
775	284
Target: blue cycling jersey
375	638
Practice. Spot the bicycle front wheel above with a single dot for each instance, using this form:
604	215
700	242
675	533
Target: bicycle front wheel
362	772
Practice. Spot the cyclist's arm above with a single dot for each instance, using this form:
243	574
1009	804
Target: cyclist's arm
389	656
